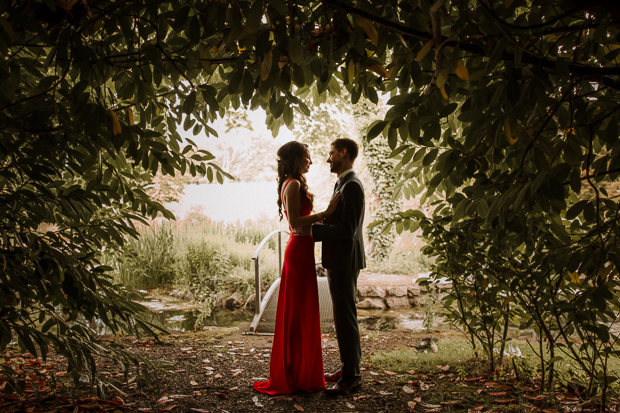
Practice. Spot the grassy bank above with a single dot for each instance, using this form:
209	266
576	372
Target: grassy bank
212	260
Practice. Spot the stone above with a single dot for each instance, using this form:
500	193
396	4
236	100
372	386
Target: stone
417	301
371	304
397	302
370	291
233	302
399	291
413	291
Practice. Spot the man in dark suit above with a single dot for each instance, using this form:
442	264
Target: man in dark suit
343	257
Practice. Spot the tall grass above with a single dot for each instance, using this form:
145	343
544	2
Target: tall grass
147	262
407	261
212	259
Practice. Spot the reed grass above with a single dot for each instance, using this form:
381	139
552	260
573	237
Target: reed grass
212	259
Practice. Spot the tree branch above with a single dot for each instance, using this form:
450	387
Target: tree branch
438	39
579	70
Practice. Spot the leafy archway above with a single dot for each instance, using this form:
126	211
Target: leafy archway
502	112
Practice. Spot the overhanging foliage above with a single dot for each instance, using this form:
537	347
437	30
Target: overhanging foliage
502	111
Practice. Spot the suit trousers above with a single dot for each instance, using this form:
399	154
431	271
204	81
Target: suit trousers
343	288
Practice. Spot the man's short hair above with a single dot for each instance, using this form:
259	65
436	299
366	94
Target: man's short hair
349	144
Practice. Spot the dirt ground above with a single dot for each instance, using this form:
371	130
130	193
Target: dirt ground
213	371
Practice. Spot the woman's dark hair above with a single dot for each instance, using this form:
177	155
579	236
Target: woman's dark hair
291	158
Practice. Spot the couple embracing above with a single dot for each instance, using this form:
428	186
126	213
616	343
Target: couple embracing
296	362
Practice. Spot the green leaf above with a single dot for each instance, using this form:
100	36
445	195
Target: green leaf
295	51
574	211
189	103
375	129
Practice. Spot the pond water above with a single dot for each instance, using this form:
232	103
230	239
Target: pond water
184	320
376	320
173	314
413	319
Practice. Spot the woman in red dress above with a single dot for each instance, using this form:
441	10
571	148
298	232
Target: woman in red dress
296	362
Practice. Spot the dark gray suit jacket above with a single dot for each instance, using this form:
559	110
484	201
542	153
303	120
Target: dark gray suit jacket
341	234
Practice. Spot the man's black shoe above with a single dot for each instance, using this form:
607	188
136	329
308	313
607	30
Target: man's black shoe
333	377
344	387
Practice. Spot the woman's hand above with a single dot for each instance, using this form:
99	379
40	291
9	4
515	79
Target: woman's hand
333	203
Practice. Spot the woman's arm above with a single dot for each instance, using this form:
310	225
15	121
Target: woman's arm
292	204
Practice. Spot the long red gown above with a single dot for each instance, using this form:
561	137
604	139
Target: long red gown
296	362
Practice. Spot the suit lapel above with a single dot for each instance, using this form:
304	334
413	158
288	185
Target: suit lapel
344	180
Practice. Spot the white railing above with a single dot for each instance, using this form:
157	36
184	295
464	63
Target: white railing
258	304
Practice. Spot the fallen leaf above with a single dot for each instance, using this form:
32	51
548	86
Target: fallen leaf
473	379
389	373
410	371
430	406
523	388
222	395
452	402
408	390
378	381
193	383
497	394
424	386
298	407
350	406
538	397
199	410
385	393
233	388
179	396
217	376
169	408
256	403
478	408
504	401
365	396
411	406
374	373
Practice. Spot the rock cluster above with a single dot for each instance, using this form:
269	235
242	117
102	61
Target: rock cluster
371	297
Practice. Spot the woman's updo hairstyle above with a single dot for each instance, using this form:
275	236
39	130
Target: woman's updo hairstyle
291	158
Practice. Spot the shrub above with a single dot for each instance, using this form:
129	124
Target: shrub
146	262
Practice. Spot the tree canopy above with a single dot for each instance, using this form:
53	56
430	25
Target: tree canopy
502	112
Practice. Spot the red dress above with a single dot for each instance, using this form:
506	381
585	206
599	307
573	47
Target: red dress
296	356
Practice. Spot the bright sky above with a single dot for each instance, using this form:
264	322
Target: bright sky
244	200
